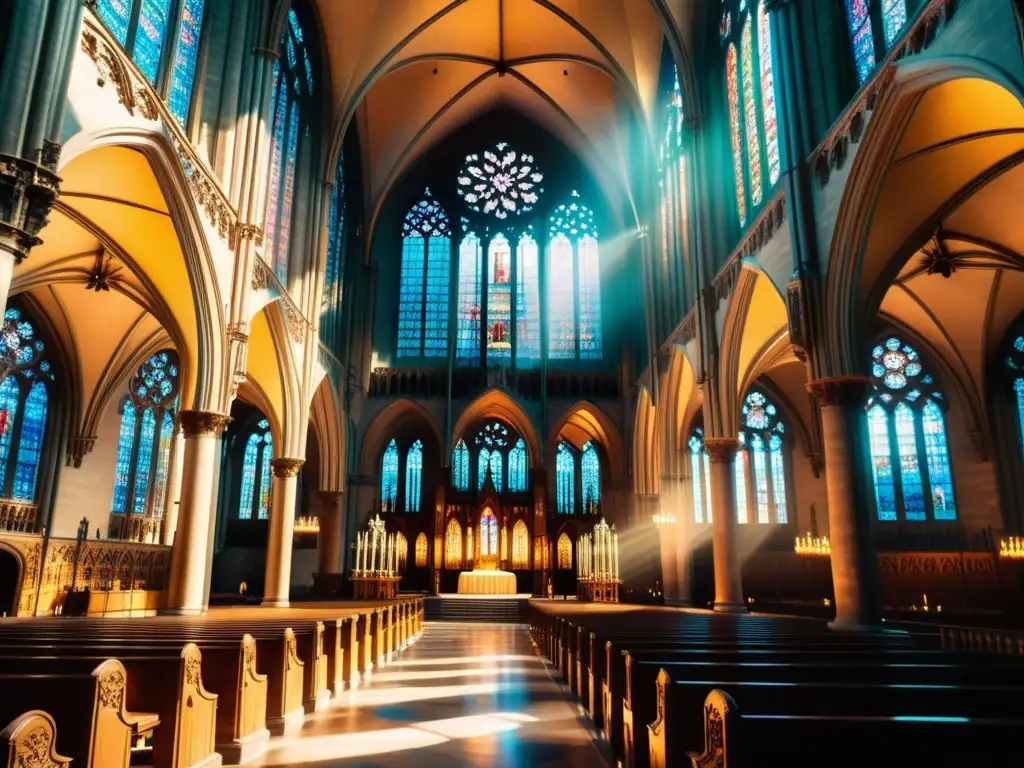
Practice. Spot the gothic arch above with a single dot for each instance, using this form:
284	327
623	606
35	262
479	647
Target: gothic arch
397	414
646	466
329	424
499	404
585	421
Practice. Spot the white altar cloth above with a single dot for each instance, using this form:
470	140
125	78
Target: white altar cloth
487	583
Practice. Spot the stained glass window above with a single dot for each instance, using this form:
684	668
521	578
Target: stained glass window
413	477
149	37
762	452
574	283
502	182
144	462
291	93
468	314
497	460
163	460
769	111
733	95
590	471
564	552
740	479
389	475
116	15
696	444
894	18
185	55
254	499
483	465
520	546
421	550
527	302
123	466
905	418
335	234
488	534
565	479
263	513
453	545
30	444
499	301
249	462
750	114
517	466
460	466
858	18
423	293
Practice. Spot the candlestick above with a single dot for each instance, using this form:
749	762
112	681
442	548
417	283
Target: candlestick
615	545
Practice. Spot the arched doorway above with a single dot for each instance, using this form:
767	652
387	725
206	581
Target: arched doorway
10	577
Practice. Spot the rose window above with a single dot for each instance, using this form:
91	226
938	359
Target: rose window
503	181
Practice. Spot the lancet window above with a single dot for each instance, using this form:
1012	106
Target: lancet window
254	500
760	464
700	477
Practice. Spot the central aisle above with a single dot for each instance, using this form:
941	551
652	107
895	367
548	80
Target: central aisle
463	695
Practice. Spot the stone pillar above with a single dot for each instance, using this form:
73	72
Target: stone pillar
282	526
332	533
173	493
728	568
199	468
854	561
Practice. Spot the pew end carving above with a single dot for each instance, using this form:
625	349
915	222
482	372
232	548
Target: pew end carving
31	740
114	729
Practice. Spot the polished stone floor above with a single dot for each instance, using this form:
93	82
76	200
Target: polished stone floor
463	695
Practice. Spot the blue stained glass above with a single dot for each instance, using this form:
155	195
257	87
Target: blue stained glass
149	38
590	471
410	297
497	476
740	477
287	196
760	470
910	468
185	56
527	302
116	14
144	461
460	466
881	463
499	301
468	327
413	477
565	477
937	453
1018	388
590	299
263	513
30	444
435	330
252	453
517	468
336	230
163	459
483	463
279	99
696	450
389	474
778	479
858	18
488	534
293	22
894	19
123	467
561	299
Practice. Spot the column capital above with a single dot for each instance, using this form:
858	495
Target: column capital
286	467
203	423
721	449
841	391
28	192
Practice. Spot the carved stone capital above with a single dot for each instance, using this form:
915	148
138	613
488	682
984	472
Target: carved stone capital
286	467
840	391
721	449
78	447
28	191
203	423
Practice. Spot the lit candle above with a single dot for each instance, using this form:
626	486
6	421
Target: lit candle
615	546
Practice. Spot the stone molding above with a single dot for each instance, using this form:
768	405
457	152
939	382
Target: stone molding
721	450
203	423
286	467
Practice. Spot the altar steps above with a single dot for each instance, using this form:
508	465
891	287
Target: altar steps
506	610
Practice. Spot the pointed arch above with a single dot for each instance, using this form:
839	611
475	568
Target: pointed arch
396	416
498	404
585	421
646	464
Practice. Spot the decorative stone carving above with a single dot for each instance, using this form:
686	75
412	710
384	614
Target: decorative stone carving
237	332
103	274
296	322
200	423
260	276
286	467
841	391
112	687
250	232
721	449
27	194
78	447
109	67
206	192
146	103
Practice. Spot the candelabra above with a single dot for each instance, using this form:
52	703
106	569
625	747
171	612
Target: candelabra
1012	548
307	525
813	546
376	573
597	564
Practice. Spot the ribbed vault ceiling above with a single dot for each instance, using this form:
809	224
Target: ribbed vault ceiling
413	71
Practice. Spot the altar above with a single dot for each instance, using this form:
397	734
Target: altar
487	583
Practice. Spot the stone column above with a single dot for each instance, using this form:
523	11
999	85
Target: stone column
282	526
728	568
329	541
199	468
854	561
173	482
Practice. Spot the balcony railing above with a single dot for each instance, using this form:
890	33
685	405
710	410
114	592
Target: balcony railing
17	516
466	382
136	529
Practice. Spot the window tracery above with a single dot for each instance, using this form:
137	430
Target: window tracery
761	463
389	476
453	545
414	477
574	283
421	550
565	480
520	546
700	476
564	552
590	471
460	466
502	182
423	296
254	499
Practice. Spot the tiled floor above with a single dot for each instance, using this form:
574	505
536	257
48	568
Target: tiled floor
463	695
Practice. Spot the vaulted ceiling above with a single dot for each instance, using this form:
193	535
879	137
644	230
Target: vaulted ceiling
411	72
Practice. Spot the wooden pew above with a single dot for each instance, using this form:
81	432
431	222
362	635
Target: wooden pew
242	732
31	742
97	729
285	710
310	649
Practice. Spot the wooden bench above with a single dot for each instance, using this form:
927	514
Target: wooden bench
31	741
735	740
